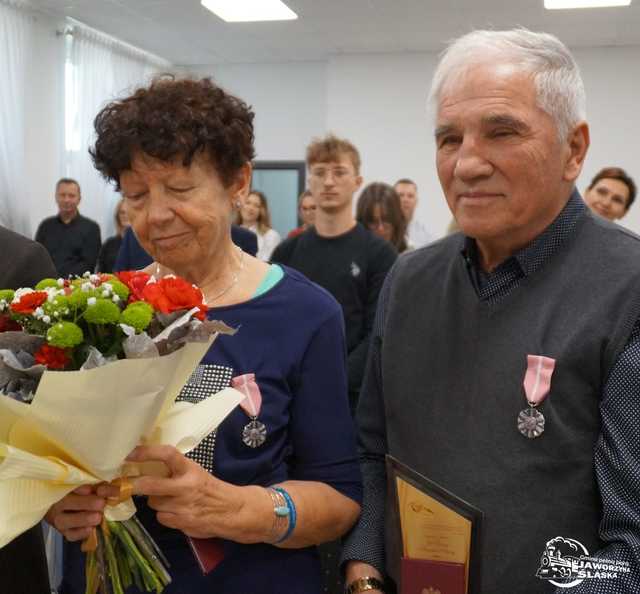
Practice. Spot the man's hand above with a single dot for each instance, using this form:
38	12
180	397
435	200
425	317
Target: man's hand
358	569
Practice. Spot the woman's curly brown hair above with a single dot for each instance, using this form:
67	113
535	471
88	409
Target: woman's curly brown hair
174	118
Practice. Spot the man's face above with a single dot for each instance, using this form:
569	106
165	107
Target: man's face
504	172
68	199
333	184
408	194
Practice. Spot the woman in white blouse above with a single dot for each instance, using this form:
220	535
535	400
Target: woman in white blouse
254	215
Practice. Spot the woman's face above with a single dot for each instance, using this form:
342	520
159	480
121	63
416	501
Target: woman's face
379	224
308	210
609	198
181	215
123	217
250	210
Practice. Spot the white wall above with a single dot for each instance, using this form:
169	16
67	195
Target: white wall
379	102
290	101
612	81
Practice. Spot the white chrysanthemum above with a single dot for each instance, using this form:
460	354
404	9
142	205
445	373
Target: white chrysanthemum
86	287
115	299
52	293
61	282
91	301
46	319
39	312
19	294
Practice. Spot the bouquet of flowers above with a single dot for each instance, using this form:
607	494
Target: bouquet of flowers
127	343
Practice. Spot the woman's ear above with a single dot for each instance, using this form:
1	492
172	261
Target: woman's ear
242	183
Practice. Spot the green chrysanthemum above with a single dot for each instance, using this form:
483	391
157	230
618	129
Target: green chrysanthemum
7	295
45	283
103	311
78	298
58	307
119	289
137	315
65	335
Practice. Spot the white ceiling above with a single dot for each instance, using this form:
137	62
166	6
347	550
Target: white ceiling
185	33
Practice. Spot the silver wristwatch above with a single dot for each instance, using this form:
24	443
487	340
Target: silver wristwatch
364	584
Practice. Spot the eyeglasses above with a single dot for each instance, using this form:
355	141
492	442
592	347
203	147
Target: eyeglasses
339	174
379	223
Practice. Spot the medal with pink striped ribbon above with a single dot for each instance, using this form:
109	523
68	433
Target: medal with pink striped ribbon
254	433
537	383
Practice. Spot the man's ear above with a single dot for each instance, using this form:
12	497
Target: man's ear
358	182
578	144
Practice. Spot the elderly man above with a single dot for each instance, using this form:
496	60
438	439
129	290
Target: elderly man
534	284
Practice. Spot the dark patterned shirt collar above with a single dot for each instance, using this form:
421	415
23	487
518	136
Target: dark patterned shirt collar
497	283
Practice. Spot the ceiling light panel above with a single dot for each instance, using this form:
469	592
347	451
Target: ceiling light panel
244	11
563	4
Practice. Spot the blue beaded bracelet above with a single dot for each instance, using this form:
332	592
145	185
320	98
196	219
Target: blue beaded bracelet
292	513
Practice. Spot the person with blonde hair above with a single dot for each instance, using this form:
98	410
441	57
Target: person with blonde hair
254	215
338	253
111	247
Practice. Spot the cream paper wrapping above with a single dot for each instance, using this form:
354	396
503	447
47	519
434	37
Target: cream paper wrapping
82	425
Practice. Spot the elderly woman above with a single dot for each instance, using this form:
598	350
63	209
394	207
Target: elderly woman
379	211
180	153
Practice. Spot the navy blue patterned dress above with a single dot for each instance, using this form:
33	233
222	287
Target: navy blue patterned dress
292	339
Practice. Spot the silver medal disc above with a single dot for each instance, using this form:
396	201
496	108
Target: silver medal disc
254	434
531	423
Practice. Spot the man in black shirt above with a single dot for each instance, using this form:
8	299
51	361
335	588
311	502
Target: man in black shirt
339	254
73	241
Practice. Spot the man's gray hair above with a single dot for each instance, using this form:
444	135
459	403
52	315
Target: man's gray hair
559	86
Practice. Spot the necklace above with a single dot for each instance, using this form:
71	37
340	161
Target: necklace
234	279
233	283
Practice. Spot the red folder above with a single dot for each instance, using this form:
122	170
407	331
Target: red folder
432	577
207	551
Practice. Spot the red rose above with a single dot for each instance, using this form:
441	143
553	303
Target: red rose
8	325
174	294
52	357
136	281
30	302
